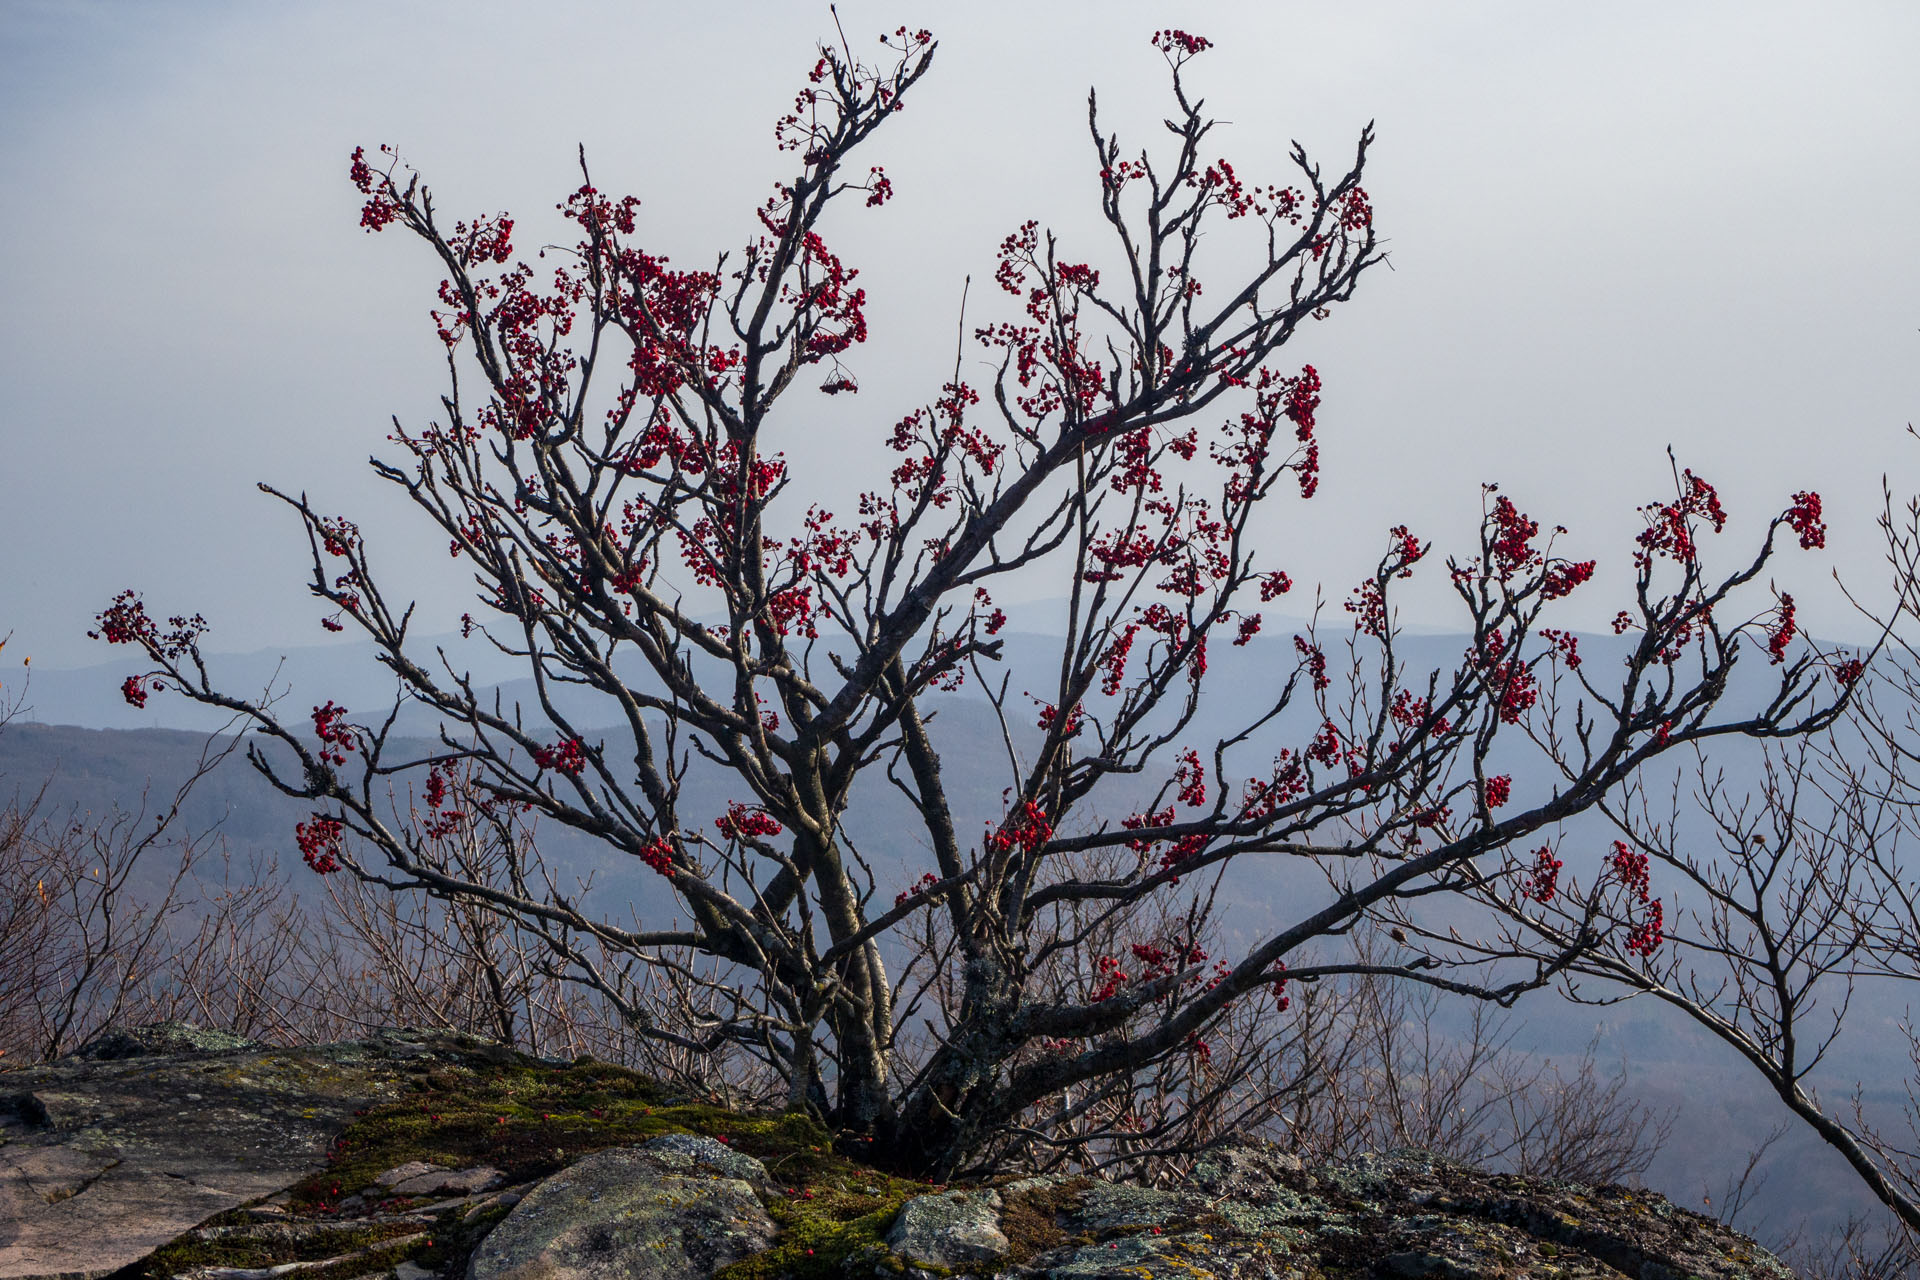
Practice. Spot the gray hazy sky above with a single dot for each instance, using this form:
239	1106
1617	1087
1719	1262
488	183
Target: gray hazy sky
1613	228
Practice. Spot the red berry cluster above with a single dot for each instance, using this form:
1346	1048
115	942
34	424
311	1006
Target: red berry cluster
658	854
1670	526
743	822
1645	937
1260	798
1191	777
1509	679
1026	829
1510	540
1543	881
1369	609
1147	822
382	207
320	843
444	817
1325	748
1631	868
567	756
1781	634
1107	969
1804	516
1566	646
338	536
1412	713
335	735
1314	661
1075	719
126	621
915	889
1179	43
1563	576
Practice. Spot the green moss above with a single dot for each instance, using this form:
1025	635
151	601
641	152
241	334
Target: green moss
816	1242
530	1119
524	1118
1030	1216
833	1209
454	1238
371	1263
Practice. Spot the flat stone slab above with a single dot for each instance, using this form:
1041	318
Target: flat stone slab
418	1178
405	1172
110	1154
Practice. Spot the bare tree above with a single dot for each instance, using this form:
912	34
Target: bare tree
1406	1081
606	467
1859	1250
88	944
1792	897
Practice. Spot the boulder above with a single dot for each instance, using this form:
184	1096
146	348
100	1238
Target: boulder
677	1207
954	1231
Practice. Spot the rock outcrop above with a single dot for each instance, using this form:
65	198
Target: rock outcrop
415	1156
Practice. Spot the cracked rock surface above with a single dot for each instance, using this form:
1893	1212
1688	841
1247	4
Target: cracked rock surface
146	1132
1250	1211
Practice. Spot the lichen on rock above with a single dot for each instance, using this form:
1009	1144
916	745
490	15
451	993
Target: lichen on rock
664	1210
951	1231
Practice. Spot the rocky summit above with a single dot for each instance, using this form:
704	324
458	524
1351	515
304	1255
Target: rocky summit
167	1152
